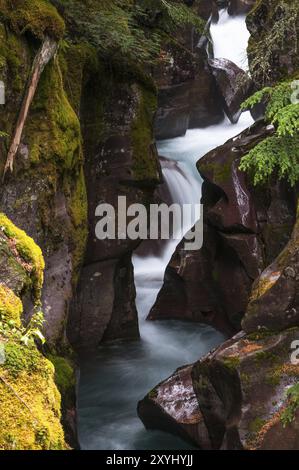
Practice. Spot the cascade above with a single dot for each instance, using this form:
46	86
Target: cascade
122	373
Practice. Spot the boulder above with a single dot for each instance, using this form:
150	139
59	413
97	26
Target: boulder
233	84
246	396
242	392
165	408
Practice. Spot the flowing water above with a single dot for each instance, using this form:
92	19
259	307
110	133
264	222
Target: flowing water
122	373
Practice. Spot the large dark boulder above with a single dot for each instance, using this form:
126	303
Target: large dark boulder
233	84
165	408
243	392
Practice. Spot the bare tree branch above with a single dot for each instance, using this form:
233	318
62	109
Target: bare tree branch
42	58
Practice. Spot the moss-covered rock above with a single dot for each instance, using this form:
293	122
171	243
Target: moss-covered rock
29	400
46	196
28	251
39	17
11	307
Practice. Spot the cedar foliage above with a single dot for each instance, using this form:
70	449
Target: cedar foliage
126	29
279	153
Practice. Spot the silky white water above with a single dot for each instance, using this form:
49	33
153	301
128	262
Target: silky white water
122	373
230	39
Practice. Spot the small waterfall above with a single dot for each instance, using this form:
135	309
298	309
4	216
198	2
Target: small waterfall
180	187
230	39
122	373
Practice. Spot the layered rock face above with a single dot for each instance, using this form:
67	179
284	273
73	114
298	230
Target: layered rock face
244	230
121	160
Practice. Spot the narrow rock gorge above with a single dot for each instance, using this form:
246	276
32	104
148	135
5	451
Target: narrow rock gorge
137	342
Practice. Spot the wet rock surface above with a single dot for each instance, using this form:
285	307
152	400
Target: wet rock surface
172	407
243	233
233	84
242	395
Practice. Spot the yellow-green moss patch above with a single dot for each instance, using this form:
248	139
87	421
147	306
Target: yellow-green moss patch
29	401
28	250
11	307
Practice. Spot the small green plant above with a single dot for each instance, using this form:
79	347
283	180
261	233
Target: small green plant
288	414
34	329
278	153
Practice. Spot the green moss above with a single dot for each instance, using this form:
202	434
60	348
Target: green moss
11	59
267	357
221	172
152	395
11	307
37	16
19	358
145	166
76	60
77	198
256	425
273	378
260	335
64	378
231	362
245	378
289	412
53	129
28	250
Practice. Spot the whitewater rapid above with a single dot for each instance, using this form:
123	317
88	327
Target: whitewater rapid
122	373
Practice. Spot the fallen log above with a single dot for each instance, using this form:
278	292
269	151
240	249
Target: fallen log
42	58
